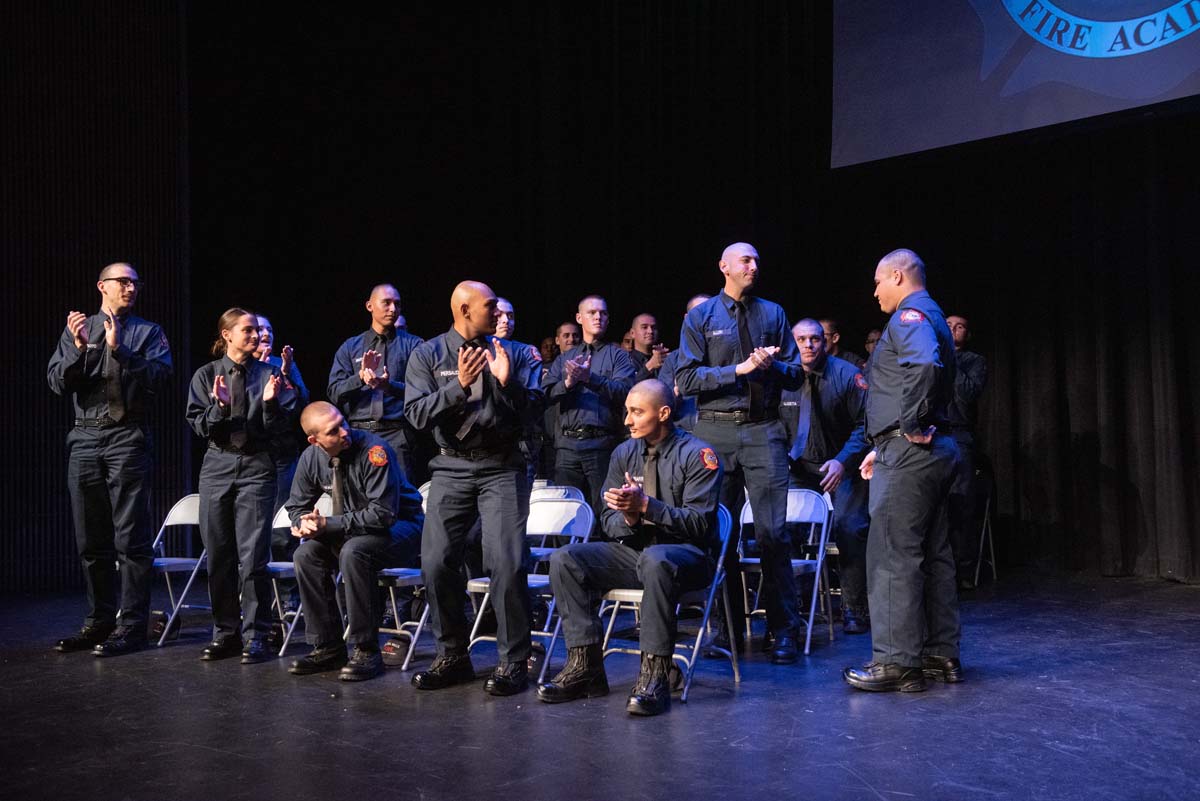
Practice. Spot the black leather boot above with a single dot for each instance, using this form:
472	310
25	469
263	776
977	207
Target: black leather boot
652	693
582	677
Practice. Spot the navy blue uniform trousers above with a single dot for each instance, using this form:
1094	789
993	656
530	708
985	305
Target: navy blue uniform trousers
910	569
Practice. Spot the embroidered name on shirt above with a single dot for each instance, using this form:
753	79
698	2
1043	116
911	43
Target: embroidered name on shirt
720	332
447	373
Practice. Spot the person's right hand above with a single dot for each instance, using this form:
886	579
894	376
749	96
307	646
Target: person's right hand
470	365
867	468
220	391
77	325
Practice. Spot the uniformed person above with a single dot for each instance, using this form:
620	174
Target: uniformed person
588	384
969	381
285	449
648	351
738	355
375	523
534	434
661	496
367	381
833	340
468	390
685	405
241	406
824	421
111	363
910	569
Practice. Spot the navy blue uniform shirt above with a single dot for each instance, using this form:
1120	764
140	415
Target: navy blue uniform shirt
712	349
265	421
689	489
142	352
434	400
377	496
843	395
968	386
911	370
347	391
685	405
600	401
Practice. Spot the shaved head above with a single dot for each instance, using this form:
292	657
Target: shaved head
379	290
737	250
118	269
473	304
316	415
696	300
908	262
384	306
654	392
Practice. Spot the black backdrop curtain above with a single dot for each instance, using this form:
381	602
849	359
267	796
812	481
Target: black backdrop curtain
555	150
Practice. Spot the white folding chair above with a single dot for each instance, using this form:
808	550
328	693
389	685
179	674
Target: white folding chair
552	492
185	512
804	508
561	518
287	570
424	490
688	652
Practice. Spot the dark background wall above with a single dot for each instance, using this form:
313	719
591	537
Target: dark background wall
617	147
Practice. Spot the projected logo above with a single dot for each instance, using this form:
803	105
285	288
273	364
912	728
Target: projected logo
1078	35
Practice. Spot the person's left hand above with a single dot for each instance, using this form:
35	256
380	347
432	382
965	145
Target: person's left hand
867	468
499	365
286	356
112	331
271	390
833	470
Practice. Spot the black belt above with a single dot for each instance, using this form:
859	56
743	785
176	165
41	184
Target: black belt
104	422
587	432
891	433
376	425
474	455
740	416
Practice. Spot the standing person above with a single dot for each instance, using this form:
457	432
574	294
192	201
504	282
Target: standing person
367	380
661	519
468	390
534	433
824	420
969	381
910	569
111	363
738	356
285	448
648	351
375	523
685	405
241	406
833	339
588	384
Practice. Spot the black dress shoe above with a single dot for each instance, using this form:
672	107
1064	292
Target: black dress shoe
784	650
257	650
87	638
509	678
942	668
853	623
125	640
446	671
363	665
322	658
582	677
223	648
651	695
879	678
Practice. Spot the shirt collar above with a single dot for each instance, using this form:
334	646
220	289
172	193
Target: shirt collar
388	335
228	364
663	445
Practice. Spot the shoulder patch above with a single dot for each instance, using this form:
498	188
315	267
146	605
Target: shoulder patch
860	382
709	458
535	354
377	455
911	316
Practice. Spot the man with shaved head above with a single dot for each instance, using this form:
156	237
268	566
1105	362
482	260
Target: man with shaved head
367	380
660	516
738	355
471	393
910	569
648	351
587	385
969	381
111	363
375	522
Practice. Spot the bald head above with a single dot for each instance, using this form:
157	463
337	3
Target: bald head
118	269
907	262
648	409
653	393
739	265
317	416
118	285
384	306
696	300
898	275
473	304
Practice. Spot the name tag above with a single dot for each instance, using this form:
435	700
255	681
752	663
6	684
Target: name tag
789	403
719	332
447	373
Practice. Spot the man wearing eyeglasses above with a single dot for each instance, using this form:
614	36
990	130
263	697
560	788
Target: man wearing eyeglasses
110	363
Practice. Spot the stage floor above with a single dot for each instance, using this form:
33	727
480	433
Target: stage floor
1077	689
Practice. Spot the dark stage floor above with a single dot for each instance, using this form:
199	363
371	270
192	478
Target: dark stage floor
1085	689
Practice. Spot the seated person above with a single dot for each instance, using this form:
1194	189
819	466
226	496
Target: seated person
661	496
375	523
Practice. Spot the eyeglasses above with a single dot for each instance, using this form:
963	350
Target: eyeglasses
126	282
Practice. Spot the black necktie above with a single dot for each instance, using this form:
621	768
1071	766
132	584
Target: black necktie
237	405
337	489
808	429
379	347
474	398
752	381
112	386
650	473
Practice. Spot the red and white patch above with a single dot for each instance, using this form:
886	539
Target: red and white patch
377	455
860	382
709	458
535	354
911	316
